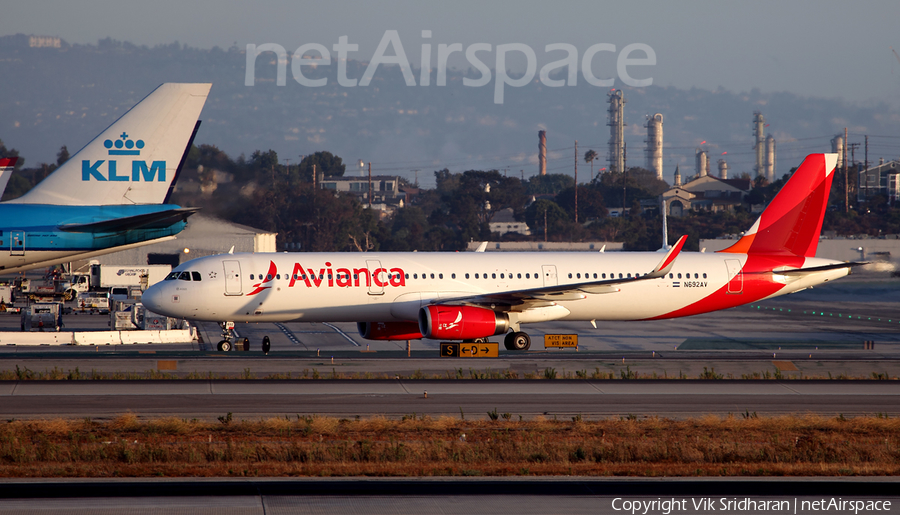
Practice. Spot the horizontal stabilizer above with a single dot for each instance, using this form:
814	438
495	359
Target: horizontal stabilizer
156	220
824	268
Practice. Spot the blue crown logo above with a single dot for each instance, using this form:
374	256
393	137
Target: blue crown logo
124	146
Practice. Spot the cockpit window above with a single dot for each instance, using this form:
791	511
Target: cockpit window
172	276
185	276
196	276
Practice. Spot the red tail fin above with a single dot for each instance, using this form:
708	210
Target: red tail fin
791	223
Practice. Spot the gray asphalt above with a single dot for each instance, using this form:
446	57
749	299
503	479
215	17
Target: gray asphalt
446	496
396	398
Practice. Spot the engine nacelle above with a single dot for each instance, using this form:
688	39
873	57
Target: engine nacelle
461	322
389	330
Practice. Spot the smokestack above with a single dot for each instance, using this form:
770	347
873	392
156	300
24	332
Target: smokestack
759	127
723	169
616	131
837	146
655	145
701	161
770	158
542	152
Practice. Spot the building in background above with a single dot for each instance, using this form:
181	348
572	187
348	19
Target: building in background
706	193
883	179
386	193
504	222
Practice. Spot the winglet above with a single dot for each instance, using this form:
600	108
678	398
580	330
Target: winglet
482	247
666	264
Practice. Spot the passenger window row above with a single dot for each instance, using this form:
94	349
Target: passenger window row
187	276
624	276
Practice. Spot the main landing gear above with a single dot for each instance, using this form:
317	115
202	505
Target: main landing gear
517	341
229	339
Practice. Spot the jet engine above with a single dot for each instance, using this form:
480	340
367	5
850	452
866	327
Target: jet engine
389	330
461	322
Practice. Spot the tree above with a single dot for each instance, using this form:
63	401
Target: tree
550	184
326	164
557	221
590	203
62	156
589	157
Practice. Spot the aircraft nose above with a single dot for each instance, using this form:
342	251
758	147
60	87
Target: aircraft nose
154	299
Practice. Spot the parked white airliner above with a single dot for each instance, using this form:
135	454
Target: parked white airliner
475	295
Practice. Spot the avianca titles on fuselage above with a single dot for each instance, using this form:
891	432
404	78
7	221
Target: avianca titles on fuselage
476	295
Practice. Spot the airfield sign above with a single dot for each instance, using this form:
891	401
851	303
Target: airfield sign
470	350
560	340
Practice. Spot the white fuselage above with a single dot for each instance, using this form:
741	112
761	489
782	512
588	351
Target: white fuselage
382	287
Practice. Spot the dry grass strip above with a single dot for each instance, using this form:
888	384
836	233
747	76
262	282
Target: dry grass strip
321	446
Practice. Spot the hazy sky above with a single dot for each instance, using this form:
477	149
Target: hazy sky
820	48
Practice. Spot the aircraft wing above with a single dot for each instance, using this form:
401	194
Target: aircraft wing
548	295
158	219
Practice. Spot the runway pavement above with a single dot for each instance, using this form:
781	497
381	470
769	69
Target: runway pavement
425	496
396	398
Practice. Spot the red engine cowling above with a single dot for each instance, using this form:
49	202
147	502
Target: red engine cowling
389	330
461	322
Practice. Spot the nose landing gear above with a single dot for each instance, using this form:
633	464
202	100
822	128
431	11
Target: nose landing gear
227	336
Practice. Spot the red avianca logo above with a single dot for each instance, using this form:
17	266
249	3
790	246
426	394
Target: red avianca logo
273	270
333	277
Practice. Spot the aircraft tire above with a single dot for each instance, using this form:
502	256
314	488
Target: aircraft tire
520	341
266	345
508	341
224	346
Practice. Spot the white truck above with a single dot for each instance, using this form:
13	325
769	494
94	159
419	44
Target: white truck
47	288
106	276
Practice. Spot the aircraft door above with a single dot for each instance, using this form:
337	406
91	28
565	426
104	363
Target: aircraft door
379	277
232	277
549	273
735	276
16	243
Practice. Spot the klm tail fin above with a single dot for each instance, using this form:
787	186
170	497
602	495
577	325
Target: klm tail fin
792	222
135	160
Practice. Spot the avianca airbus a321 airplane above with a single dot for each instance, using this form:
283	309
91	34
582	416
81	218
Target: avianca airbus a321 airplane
476	295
